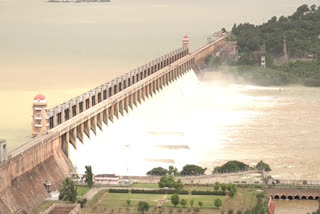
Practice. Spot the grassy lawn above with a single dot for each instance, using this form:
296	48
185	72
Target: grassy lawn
145	186
82	190
120	199
207	200
96	198
202	188
244	199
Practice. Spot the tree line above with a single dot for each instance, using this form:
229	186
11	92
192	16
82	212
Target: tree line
301	30
187	170
194	170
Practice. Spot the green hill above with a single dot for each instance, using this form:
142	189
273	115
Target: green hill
302	33
301	30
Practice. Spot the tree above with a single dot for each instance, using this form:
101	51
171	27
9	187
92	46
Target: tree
68	191
232	193
192	170
178	185
82	202
191	202
263	166
173	171
223	187
218	203
231	166
88	173
159	171
169	182
143	206
232	189
128	202
302	9
175	200
183	202
200	203
216	186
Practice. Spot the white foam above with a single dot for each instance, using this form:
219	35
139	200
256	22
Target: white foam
187	113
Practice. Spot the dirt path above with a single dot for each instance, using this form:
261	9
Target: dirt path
93	191
162	200
102	197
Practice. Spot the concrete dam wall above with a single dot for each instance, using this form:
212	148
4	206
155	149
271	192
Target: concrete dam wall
46	156
22	178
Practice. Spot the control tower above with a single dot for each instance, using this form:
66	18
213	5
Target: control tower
186	43
39	118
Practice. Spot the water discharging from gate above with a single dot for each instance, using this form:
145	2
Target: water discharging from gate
209	122
177	126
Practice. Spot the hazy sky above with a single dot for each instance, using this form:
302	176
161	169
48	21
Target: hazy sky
48	45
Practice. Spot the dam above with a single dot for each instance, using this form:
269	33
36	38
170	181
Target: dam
46	157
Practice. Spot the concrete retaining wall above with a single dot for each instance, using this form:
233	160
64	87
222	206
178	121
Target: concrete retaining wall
22	178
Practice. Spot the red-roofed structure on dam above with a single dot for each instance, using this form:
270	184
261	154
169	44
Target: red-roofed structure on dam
45	158
39	119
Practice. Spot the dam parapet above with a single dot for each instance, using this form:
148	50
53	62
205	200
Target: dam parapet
46	156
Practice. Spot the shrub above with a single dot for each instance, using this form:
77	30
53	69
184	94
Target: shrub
218	203
197	192
175	199
160	191
216	186
82	202
183	202
191	202
118	190
143	206
223	187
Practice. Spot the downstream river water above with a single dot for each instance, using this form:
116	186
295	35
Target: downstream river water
63	50
208	123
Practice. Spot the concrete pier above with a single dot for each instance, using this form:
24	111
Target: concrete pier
45	157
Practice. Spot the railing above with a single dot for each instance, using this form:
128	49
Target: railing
94	110
196	52
161	60
74	208
103	105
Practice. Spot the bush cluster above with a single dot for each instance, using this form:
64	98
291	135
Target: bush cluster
199	192
160	191
118	190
